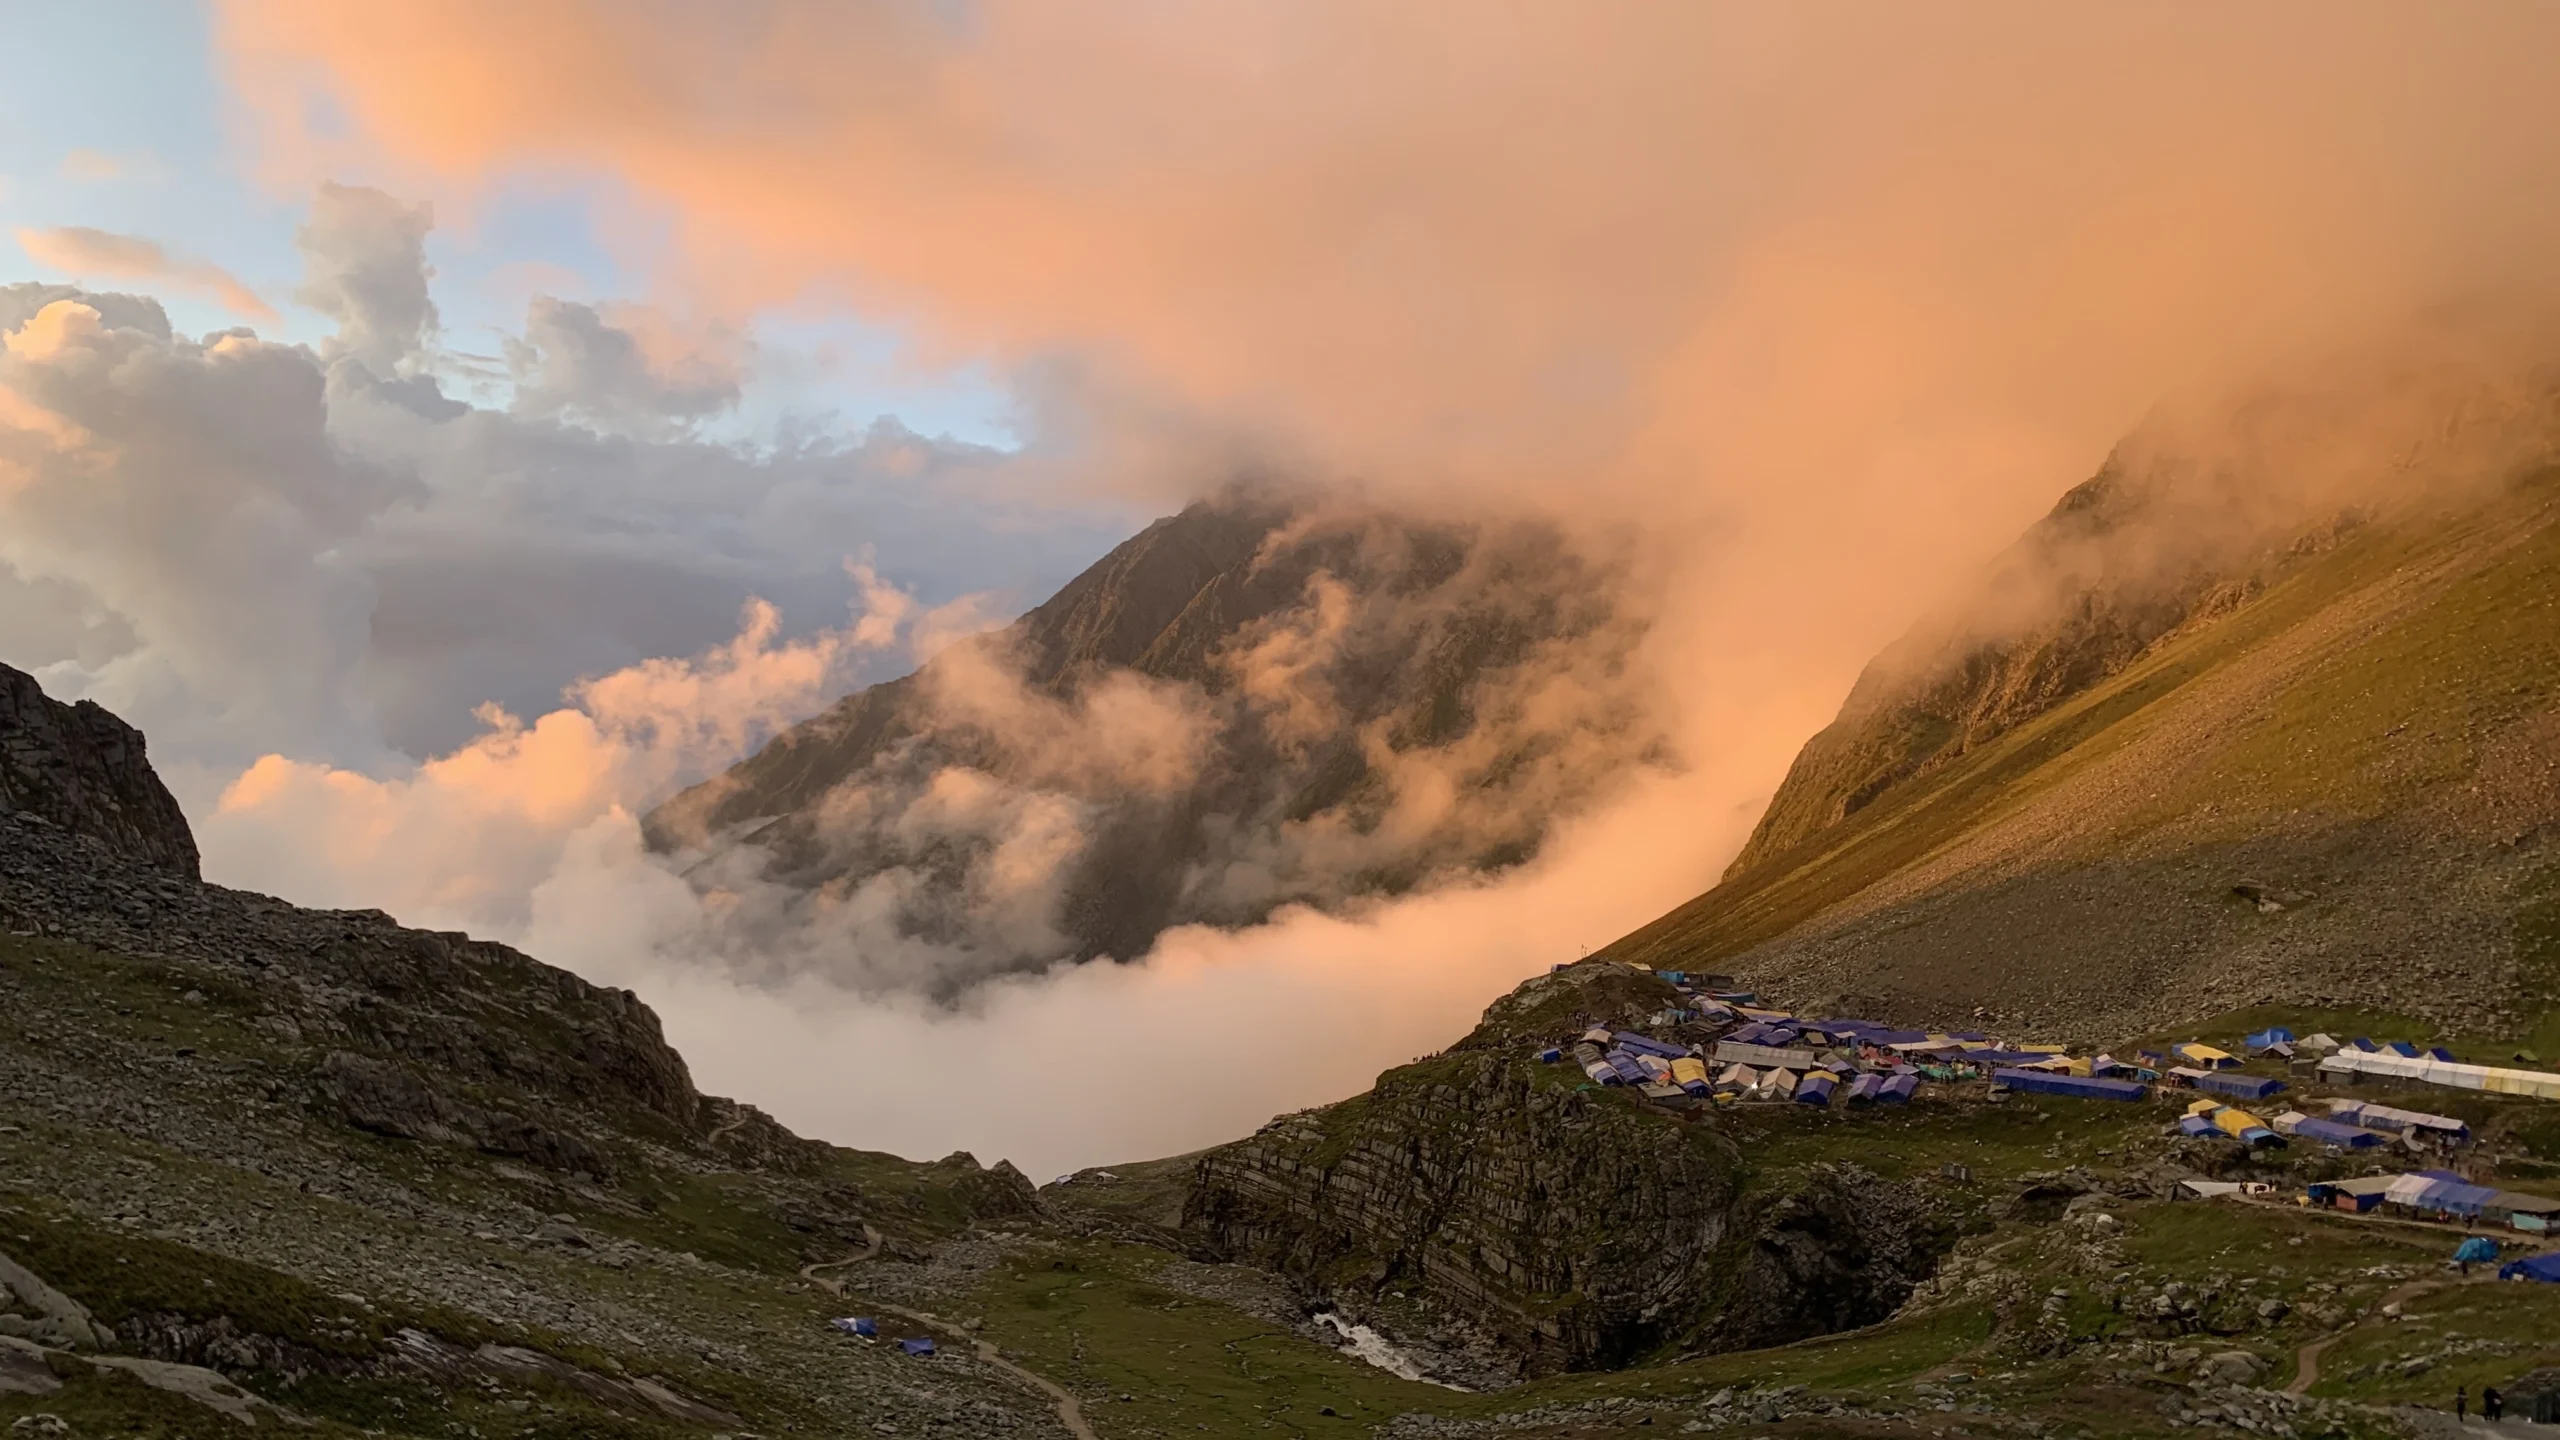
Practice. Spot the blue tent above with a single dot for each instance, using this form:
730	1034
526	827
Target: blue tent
2245	1087
1646	1045
1898	1090
2441	1053
2479	1249
862	1325
1629	1072
2086	1088
2268	1038
2403	1049
2545	1268
1815	1089
1862	1090
2330	1132
920	1345
2194	1125
1550	1055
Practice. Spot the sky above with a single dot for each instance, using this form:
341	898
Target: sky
533	406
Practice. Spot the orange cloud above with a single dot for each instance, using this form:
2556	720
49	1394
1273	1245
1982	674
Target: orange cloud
82	251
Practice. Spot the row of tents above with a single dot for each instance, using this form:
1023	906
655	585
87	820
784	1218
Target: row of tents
2438	1194
2352	1066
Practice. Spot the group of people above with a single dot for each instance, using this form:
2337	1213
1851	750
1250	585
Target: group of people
2492	1404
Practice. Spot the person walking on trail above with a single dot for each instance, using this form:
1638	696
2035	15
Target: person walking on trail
2461	1402
2493	1406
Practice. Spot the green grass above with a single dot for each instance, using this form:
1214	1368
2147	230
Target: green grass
2515	1324
2388	717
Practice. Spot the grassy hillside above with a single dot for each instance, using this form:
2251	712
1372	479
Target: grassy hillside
2341	789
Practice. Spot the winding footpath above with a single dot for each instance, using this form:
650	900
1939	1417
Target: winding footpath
2306	1361
1070	1410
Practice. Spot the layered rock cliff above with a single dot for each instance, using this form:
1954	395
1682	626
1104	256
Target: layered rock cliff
82	769
1578	1227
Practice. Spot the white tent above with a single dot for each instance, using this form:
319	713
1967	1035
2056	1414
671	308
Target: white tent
2451	1074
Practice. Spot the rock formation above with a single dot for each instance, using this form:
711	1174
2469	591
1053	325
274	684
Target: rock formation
81	769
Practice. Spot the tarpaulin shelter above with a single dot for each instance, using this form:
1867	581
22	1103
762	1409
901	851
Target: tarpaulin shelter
862	1326
2476	1250
2438	1190
1690	1074
2197	1053
1738	1078
2186	1075
1862	1090
1655	1068
920	1345
1629	1072
2331	1133
1661	1091
2415	1122
2356	1195
2269	1038
2241	1087
2317	1044
2524	1212
1740	1052
1898	1090
1633	1043
2495	1079
1816	1089
2403	1049
2078	1086
2194	1126
1550	1055
1779	1084
2545	1268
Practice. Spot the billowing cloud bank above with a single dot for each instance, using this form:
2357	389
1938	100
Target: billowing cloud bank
1829	302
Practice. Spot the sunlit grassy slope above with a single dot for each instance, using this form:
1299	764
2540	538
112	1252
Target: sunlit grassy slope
2381	720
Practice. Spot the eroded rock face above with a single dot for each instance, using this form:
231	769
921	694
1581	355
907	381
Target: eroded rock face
1575	1229
82	769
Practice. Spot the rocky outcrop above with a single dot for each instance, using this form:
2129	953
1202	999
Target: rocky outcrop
81	769
1577	1227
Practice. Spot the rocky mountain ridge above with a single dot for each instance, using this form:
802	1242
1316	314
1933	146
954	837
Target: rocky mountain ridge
1248	705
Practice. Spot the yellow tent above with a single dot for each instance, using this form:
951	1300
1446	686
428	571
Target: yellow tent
2205	1055
2237	1122
1689	1070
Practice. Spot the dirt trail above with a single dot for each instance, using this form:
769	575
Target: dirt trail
1070	1410
2306	1361
870	1247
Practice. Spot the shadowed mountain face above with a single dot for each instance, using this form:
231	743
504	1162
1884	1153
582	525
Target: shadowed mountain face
1241	708
81	769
